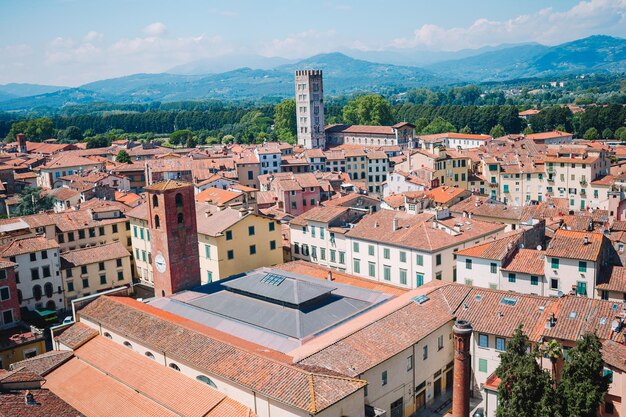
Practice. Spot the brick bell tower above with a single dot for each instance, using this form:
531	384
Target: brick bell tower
174	237
462	369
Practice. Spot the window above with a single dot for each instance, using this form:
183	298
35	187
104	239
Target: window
468	264
512	277
206	380
135	231
33	256
554	284
103	279
383	378
440	342
179	200
609	373
114	227
230	254
34	274
155	201
101	230
120	275
180	218
402	256
609	408
70	236
250	230
409	363
425	352
333	255
81	234
4	293
555	263
438	276
61	238
70	286
273	245
85	282
403	276
44	254
37	292
438	259
149	354
387	272
356	266
272	226
483	340
157	222
582	266
355	247
92	232
101	266
342	258
419	280
494	268
482	365
372	269
500	344
420	260
7	318
370	250
45	271
229	235
386	253
534	280
252	249
581	288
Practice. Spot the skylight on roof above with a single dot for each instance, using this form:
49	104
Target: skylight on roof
572	315
273	279
510	301
614	307
478	297
421	299
603	321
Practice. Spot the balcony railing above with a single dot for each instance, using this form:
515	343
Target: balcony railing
583	182
550	178
550	169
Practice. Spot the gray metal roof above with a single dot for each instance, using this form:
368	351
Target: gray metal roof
279	287
307	306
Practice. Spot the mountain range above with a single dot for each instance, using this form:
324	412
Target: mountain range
343	74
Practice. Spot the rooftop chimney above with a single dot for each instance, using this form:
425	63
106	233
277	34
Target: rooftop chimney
394	224
330	275
462	369
586	240
21	142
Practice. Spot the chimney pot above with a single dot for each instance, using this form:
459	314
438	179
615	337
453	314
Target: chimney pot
330	275
462	330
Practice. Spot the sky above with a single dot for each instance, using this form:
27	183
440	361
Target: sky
72	42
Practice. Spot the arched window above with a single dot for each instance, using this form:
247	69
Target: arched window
128	345
150	355
51	305
37	292
108	335
174	367
19	296
155	201
179	200
48	289
206	380
157	222
180	218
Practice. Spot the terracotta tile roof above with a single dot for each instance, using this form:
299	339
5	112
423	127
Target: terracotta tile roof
100	253
69	160
547	135
167	185
360	129
614	354
18	375
445	194
373	344
12	404
46	362
527	261
615	280
439	136
76	335
320	214
495	249
128	198
317	271
492	383
619	225
106	377
28	245
571	244
220	354
395	201
63	193
213	222
420	231
216	196
529	112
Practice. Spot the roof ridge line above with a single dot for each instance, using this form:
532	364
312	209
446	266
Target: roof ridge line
313	406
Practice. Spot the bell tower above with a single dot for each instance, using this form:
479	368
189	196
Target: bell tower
174	237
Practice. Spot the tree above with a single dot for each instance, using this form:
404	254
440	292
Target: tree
528	130
123	157
583	385
496	131
607	134
33	201
553	351
228	139
35	130
466	130
439	125
591	134
180	137
71	134
420	124
525	388
191	142
620	133
285	124
370	109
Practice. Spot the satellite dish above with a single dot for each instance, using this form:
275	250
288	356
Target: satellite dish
539	247
560	294
614	325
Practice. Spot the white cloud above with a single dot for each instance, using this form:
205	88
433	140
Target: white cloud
297	45
545	26
93	36
155	29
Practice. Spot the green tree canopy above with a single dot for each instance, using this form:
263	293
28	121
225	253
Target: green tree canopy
36	130
582	386
70	134
439	125
497	131
466	130
607	134
525	388
620	133
591	134
370	109
285	125
180	137
33	201
122	157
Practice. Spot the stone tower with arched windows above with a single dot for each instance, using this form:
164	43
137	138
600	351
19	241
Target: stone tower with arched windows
174	237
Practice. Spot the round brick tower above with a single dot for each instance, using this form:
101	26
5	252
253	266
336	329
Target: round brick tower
462	369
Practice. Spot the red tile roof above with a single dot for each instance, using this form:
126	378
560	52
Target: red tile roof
13	404
76	335
29	245
571	244
527	261
100	253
